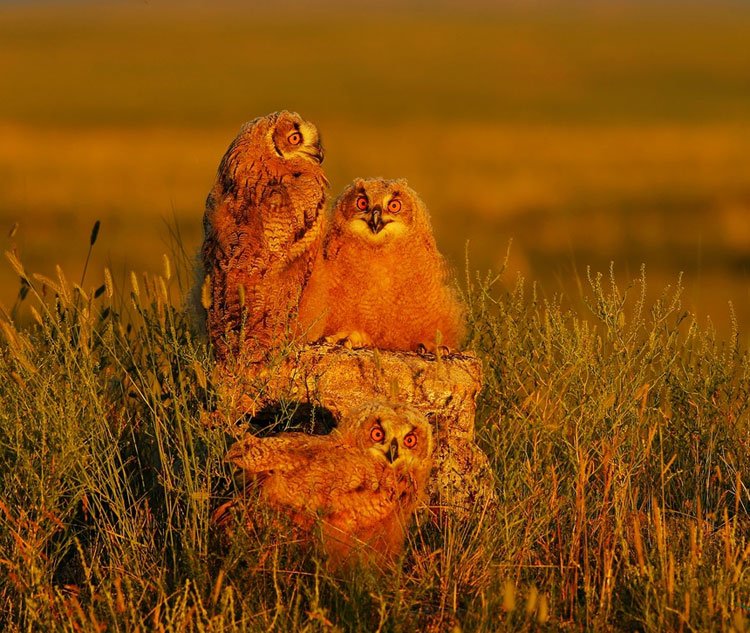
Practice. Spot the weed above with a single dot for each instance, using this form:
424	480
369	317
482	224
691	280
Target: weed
618	440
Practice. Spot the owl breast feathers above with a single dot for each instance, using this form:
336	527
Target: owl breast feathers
262	229
379	279
362	482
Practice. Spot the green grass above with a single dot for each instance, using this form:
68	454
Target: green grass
618	438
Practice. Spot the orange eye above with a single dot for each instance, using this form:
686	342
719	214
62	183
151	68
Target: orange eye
410	441
295	138
377	434
362	203
394	206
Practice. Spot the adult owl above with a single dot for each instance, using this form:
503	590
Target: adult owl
379	280
262	229
360	484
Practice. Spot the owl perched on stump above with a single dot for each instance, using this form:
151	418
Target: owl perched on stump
379	280
262	229
361	484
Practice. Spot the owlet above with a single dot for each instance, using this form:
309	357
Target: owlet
361	484
379	279
262	231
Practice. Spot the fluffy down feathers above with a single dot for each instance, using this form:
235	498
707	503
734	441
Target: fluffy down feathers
379	279
362	482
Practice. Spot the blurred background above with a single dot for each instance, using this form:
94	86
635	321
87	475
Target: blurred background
585	132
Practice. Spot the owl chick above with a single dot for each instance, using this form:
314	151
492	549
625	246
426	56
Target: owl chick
262	229
379	280
362	482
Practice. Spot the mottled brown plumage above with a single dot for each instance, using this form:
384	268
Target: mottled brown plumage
262	230
361	483
379	280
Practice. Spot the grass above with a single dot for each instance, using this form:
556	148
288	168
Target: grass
618	440
614	412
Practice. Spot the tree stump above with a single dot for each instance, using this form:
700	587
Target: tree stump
338	379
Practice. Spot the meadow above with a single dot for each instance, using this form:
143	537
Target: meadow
618	446
616	406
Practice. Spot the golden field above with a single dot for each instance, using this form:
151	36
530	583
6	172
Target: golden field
586	134
616	427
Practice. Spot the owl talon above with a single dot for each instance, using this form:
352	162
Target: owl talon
336	339
360	339
350	340
440	350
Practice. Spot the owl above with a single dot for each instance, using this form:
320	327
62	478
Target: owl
360	484
379	280
262	229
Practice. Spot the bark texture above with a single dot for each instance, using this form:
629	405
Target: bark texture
337	379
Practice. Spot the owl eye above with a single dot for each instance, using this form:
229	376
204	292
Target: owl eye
394	206
377	434
410	441
295	138
362	203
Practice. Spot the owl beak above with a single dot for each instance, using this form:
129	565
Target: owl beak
319	154
376	221
392	454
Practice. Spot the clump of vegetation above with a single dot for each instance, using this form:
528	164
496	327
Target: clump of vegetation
618	440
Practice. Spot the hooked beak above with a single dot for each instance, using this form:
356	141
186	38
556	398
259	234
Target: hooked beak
317	153
317	156
376	221
392	454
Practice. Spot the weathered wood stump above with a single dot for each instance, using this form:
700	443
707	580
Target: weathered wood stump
339	379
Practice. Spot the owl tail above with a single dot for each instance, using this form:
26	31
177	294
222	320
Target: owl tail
222	516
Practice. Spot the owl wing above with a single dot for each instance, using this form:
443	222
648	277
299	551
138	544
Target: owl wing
309	488
286	229
284	454
307	240
276	223
368	493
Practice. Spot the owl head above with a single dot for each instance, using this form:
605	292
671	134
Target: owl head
378	212
294	138
282	143
394	432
